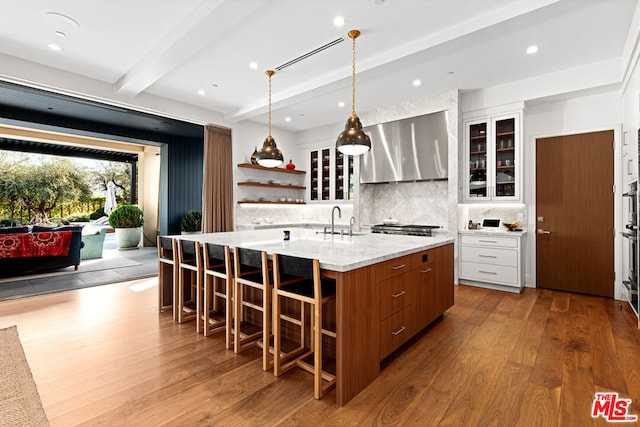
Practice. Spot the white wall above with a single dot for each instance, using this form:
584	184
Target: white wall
246	136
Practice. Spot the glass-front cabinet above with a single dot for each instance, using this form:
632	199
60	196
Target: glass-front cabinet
343	188
493	154
331	176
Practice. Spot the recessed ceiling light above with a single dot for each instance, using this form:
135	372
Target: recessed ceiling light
200	92
532	49
341	104
450	73
338	21
417	82
253	65
60	34
63	20
54	47
287	119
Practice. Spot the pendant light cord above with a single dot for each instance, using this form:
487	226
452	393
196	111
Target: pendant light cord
269	73
353	36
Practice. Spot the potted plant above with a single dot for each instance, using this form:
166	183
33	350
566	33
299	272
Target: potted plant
127	220
191	223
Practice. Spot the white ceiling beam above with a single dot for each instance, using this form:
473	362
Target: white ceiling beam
207	24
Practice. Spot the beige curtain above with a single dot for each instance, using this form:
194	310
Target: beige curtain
217	188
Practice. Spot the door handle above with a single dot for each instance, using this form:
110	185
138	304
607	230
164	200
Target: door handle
541	231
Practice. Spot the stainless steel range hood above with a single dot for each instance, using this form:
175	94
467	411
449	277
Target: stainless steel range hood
413	149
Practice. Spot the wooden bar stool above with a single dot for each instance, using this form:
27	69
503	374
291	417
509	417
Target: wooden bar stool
252	291
298	279
189	280
217	314
167	273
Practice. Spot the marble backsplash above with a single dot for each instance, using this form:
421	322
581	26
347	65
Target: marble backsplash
478	212
409	202
293	214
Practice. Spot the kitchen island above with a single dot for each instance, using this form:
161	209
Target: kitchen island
388	288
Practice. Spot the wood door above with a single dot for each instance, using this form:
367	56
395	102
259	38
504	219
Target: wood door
574	193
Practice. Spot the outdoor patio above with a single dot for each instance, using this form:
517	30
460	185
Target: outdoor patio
114	266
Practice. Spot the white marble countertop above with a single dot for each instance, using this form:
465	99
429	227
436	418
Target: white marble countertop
486	231
336	253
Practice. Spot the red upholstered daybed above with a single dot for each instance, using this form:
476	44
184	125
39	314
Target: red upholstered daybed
31	249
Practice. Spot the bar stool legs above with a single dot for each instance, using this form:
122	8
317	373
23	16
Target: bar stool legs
299	279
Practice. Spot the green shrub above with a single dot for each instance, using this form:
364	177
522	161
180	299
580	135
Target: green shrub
126	216
57	220
97	214
77	217
192	221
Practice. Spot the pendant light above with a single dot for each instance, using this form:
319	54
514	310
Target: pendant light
270	155
353	140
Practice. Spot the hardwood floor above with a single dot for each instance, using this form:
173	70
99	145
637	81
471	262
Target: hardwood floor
105	356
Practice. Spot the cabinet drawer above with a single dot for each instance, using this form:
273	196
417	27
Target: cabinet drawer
486	240
499	274
424	259
394	267
395	331
395	294
507	257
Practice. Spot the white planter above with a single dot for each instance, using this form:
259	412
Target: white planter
128	238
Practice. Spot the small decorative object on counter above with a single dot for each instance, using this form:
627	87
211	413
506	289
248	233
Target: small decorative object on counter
286	235
290	165
512	226
254	156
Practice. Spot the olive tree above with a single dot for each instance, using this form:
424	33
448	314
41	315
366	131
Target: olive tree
118	172
43	186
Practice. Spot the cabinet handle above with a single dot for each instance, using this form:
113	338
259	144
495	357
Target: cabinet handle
487	256
398	267
487	241
399	294
402	328
426	270
487	272
630	167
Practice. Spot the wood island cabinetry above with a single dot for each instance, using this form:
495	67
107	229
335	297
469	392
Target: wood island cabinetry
388	288
414	290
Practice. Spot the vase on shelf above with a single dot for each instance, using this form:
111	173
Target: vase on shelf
254	156
290	165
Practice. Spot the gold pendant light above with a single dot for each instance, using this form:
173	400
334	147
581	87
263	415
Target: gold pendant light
353	140
270	155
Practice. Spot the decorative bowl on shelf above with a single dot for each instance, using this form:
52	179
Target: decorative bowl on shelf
256	220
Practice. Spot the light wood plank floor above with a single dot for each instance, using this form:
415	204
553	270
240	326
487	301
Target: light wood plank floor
105	356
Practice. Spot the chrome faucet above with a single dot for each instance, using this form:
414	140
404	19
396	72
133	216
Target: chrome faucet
352	222
333	211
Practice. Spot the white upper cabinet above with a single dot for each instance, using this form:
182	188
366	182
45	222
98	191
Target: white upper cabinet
493	159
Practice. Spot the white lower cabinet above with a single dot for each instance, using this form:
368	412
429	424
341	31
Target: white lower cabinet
491	261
